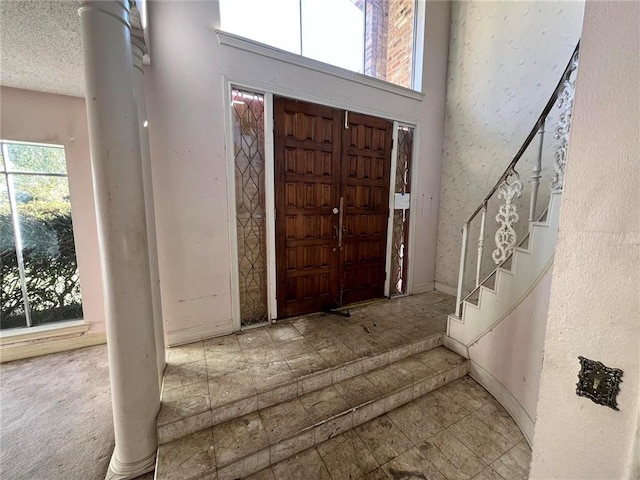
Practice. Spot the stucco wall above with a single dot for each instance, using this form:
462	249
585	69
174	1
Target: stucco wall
505	59
187	133
595	293
511	354
46	118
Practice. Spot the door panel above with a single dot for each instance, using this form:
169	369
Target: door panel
326	258
307	177
366	158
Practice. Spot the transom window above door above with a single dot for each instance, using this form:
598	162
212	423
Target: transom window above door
372	37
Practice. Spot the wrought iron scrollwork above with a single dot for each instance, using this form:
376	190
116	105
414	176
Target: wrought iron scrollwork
565	103
510	188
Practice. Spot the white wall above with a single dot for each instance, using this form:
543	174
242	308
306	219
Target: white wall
505	59
46	118
187	132
508	358
595	298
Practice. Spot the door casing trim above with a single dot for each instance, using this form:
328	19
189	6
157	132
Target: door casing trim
392	191
268	90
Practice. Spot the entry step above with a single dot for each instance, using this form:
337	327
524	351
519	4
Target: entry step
251	442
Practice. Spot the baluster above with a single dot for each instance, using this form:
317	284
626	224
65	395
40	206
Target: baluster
481	243
535	177
463	261
505	237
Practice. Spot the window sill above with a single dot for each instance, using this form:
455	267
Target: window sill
231	40
70	328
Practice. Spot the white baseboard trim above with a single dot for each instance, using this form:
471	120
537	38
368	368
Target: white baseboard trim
422	288
444	288
45	347
455	346
505	398
202	332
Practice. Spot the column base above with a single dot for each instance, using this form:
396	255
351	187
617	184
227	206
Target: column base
129	471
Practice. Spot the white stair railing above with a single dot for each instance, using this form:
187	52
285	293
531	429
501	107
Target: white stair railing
509	188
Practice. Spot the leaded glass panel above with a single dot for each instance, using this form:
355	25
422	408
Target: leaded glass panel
248	148
400	234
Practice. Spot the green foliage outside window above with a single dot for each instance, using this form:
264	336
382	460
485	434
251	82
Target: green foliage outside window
43	212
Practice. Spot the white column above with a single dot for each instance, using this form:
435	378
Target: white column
138	49
122	235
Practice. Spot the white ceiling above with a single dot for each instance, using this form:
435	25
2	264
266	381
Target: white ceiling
40	46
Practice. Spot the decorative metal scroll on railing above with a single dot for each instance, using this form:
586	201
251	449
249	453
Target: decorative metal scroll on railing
509	186
507	215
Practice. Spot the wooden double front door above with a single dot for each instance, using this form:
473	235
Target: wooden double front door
332	206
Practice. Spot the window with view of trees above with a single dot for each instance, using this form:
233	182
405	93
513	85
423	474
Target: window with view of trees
373	37
38	267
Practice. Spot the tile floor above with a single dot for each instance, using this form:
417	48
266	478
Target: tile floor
259	366
456	432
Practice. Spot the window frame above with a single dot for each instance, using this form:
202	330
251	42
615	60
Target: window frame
415	91
27	331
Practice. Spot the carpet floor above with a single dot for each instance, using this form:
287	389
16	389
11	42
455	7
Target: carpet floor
55	417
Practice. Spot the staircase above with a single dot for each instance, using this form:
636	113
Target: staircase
512	280
500	316
270	413
519	263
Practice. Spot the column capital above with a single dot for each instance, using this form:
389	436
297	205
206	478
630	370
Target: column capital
119	9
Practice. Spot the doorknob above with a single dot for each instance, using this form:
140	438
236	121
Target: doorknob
335	210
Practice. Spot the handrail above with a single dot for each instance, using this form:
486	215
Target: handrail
541	119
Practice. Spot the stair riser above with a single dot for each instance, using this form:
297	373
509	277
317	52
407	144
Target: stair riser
325	430
192	424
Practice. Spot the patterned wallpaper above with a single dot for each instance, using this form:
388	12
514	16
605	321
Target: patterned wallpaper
505	58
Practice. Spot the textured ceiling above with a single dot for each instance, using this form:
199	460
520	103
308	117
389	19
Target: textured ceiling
40	46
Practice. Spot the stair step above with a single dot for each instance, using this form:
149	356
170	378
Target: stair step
213	381
507	263
524	243
203	404
474	297
251	442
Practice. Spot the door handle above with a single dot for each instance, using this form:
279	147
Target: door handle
341	228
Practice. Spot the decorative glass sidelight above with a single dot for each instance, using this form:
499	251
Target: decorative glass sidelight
247	122
400	236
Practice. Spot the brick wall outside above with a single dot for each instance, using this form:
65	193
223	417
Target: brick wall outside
400	45
388	45
375	47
